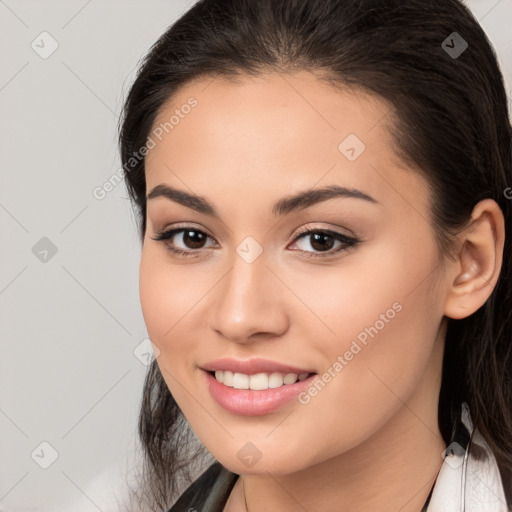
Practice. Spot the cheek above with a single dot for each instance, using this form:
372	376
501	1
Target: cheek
372	371
376	359
163	298
167	294
382	319
155	299
366	288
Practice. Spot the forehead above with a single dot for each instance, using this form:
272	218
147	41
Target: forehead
274	130
274	108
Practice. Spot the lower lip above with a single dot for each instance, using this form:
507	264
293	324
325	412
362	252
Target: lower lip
250	402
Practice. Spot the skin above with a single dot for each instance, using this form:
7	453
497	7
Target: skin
370	436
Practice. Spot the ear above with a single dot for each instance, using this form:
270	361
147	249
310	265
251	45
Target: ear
471	278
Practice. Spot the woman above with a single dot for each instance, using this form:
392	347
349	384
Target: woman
323	190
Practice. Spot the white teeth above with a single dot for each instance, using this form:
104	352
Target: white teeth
227	378
240	381
258	381
276	380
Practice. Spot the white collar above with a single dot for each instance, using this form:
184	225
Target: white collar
468	482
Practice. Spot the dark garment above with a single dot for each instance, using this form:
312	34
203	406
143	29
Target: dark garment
209	492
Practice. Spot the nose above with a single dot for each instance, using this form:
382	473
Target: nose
248	304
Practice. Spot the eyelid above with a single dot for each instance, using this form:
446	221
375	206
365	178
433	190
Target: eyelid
184	226
348	242
299	231
334	231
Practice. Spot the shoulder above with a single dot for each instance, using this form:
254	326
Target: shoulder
208	493
469	477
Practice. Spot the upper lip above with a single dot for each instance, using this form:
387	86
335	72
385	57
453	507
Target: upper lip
252	366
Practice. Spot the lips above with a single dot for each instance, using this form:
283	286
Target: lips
252	366
248	402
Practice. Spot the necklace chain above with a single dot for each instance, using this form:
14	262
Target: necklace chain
245	499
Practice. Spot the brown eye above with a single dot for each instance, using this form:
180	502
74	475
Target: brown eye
192	240
322	241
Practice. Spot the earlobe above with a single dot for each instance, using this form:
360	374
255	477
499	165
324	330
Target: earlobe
474	274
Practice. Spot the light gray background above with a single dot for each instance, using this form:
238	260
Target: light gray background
70	325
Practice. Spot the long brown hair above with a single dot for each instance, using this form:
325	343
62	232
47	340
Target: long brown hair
450	120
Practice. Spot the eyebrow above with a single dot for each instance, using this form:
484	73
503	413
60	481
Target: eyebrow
298	201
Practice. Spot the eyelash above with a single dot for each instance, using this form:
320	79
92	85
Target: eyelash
348	241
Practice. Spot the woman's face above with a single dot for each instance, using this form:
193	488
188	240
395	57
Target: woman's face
358	302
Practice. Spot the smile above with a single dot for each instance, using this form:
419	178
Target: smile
258	381
254	402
